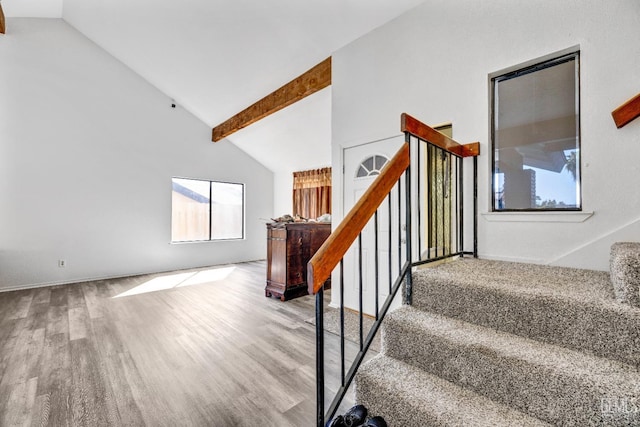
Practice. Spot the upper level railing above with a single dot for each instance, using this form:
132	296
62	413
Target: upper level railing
421	208
439	196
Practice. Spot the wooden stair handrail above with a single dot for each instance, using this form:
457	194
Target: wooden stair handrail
627	112
416	128
338	243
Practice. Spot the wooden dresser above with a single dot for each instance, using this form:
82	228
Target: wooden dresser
290	246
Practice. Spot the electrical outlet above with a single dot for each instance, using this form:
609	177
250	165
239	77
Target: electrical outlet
62	263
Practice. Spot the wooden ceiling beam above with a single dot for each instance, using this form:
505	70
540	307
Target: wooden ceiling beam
312	81
3	26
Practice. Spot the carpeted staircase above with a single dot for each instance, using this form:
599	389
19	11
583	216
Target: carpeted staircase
490	343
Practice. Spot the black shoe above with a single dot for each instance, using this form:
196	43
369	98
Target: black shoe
375	422
355	416
336	422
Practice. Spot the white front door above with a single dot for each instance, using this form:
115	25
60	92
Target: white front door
362	165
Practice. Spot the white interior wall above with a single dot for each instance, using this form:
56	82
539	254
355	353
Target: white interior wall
87	152
434	62
282	193
33	8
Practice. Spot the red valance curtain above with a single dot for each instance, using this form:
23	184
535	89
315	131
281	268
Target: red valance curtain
312	193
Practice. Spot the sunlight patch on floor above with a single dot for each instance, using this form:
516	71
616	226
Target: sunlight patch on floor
179	280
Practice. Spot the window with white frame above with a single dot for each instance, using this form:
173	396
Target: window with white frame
535	134
206	210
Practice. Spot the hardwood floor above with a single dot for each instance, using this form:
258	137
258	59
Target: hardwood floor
206	349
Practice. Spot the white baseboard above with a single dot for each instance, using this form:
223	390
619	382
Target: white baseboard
524	260
93	279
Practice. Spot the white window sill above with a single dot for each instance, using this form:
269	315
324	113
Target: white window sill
537	216
189	242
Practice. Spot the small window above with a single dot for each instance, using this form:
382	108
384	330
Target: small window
371	166
536	137
206	210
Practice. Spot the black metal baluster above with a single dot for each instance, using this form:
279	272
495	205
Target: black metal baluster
475	206
443	218
360	281
430	198
377	278
419	198
320	358
408	200
342	363
436	204
460	170
450	193
399	225
390	263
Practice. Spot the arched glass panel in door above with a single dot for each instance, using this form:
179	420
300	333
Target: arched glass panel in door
371	166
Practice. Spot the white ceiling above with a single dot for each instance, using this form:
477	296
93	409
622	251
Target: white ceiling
216	57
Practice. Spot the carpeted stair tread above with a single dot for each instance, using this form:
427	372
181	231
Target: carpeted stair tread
579	284
409	397
569	307
549	382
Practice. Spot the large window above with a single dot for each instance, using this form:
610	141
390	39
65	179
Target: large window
206	210
536	136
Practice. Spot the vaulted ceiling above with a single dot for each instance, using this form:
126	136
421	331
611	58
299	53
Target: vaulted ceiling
216	57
